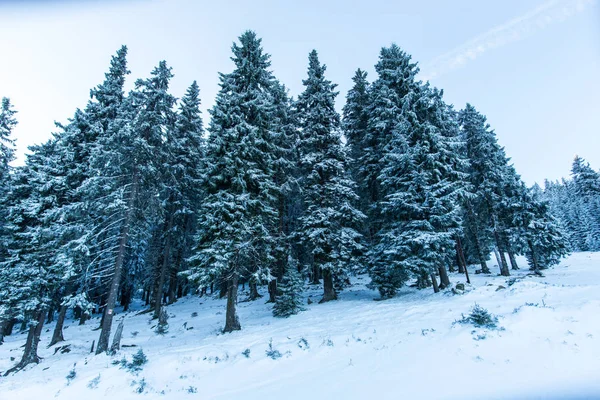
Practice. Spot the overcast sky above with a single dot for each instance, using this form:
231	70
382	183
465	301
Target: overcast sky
531	66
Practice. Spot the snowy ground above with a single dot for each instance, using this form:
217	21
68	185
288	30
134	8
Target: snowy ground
354	348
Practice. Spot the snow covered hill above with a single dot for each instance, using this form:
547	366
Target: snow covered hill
547	346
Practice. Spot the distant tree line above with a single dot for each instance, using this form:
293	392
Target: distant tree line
133	198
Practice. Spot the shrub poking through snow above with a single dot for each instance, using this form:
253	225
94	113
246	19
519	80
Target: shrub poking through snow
246	353
303	344
480	317
163	322
93	384
71	375
138	361
141	386
271	352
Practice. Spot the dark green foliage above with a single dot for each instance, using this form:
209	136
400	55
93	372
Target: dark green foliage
289	300
327	227
138	361
71	375
163	322
480	317
272	353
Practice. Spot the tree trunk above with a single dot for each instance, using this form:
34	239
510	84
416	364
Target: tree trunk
158	292
83	317
444	279
513	260
315	274
497	255
503	264
461	266
436	288
482	262
173	270
2	327
31	345
534	260
272	291
328	289
126	293
50	317
224	288
253	290
463	261
57	336
9	326
232	322
116	344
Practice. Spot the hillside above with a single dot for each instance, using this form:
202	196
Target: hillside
547	346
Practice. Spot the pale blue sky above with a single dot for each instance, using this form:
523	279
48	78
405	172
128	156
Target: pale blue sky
532	66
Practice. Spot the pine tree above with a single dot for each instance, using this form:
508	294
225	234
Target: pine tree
237	214
329	222
285	176
489	177
7	143
396	78
355	124
29	276
186	150
573	211
289	301
421	182
124	184
7	155
587	181
155	122
81	237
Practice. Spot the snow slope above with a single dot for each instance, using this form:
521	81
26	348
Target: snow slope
354	348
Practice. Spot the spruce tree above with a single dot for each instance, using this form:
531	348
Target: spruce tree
285	176
30	276
330	217
489	177
289	300
237	214
7	155
421	183
355	123
7	144
395	79
124	183
186	149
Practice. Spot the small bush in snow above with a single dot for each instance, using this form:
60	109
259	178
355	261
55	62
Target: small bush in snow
246	353
93	384
122	362
303	344
141	386
71	375
271	352
480	317
192	389
327	342
138	361
194	314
